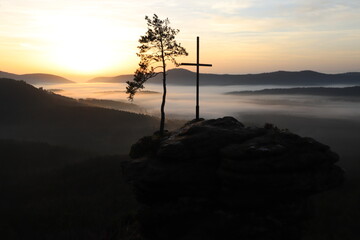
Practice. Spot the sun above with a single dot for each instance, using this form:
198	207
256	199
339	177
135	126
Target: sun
83	45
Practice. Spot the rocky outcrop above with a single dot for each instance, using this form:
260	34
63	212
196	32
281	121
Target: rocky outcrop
217	179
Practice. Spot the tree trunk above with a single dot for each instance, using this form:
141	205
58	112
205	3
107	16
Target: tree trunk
162	110
162	120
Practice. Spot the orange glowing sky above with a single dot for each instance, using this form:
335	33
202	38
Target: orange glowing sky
86	38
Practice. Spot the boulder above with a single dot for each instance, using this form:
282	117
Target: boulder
217	179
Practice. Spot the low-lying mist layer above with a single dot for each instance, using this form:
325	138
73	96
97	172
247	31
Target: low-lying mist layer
333	120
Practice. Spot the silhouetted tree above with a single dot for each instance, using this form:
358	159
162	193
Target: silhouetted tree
158	46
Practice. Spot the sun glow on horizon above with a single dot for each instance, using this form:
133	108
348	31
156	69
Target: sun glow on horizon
82	45
85	45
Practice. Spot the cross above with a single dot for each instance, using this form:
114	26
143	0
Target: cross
197	64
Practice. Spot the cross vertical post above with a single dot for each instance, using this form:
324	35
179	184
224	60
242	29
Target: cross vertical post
197	77
197	64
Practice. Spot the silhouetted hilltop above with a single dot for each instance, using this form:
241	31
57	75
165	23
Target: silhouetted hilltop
14	93
35	78
185	77
32	114
318	91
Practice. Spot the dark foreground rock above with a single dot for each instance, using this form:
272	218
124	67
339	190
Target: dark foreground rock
217	179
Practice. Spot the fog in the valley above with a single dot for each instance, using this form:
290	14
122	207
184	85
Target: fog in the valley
333	121
180	102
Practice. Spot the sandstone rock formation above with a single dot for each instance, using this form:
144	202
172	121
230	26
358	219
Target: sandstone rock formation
217	179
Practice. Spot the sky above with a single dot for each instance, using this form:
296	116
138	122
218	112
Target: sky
86	38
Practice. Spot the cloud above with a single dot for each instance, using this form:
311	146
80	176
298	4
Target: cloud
291	17
231	7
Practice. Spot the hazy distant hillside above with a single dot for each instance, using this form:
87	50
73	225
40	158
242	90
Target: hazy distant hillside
318	91
32	114
36	78
185	77
117	79
117	105
175	77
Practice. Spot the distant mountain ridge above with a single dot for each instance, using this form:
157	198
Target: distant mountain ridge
36	78
315	91
185	77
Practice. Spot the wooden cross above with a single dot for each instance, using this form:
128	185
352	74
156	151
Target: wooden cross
197	64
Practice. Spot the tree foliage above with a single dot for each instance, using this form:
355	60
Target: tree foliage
157	47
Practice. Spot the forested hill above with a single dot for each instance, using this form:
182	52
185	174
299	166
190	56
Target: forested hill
303	78
32	114
16	94
36	78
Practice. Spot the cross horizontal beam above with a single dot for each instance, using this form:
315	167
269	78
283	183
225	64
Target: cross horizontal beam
196	64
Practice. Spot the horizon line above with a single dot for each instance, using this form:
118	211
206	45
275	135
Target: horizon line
103	76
